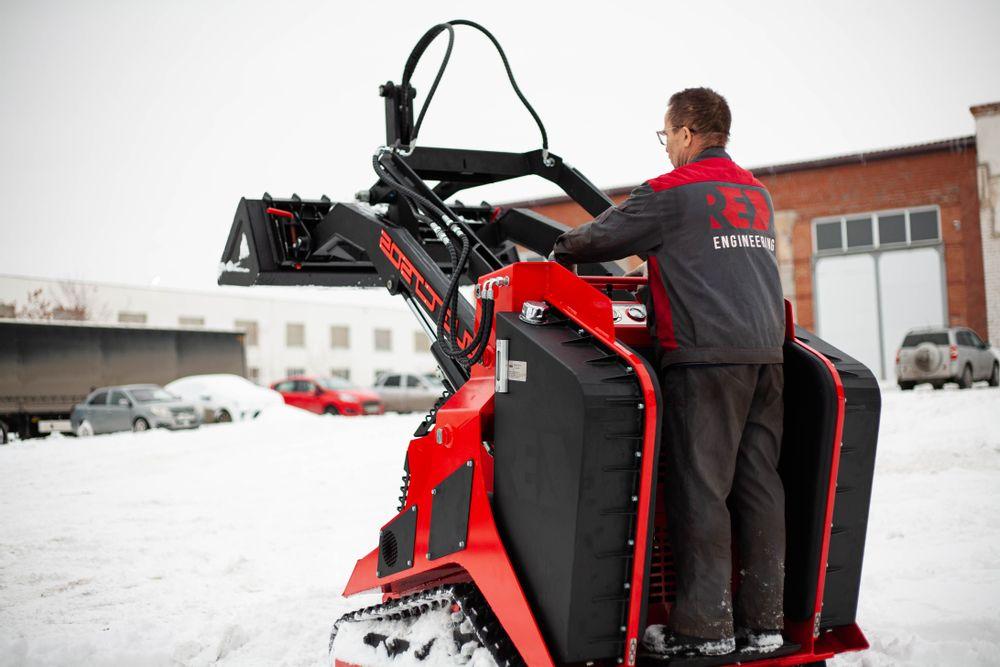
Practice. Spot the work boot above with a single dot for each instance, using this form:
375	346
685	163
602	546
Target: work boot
661	641
759	641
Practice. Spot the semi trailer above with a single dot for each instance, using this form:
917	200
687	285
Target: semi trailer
47	367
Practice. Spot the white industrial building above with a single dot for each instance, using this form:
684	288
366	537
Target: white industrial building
352	333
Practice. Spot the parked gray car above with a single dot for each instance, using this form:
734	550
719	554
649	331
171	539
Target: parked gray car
136	407
939	355
408	392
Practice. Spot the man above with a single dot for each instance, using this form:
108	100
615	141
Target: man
717	314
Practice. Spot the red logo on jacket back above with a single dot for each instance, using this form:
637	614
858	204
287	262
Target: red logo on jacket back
739	208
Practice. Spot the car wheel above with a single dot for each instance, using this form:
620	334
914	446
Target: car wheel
224	417
331	410
3	433
906	386
140	425
85	429
995	375
938	385
965	381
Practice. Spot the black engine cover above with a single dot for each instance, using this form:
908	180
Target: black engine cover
565	474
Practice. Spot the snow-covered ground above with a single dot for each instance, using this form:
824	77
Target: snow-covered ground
231	543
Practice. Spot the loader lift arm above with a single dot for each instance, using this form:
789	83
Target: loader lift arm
400	233
384	240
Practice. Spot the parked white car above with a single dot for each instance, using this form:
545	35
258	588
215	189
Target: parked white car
224	398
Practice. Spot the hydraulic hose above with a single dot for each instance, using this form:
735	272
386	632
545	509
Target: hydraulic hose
447	337
447	218
425	41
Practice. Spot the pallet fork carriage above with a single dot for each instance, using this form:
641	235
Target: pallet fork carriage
532	517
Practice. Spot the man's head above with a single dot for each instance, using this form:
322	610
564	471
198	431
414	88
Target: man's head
696	119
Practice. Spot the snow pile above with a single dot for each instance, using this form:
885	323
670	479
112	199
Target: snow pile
230	544
226	544
930	589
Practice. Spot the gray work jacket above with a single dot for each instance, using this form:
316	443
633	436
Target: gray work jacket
707	232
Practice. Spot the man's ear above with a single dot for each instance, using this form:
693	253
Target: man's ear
688	137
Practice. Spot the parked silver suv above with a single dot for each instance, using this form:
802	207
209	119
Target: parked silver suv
938	355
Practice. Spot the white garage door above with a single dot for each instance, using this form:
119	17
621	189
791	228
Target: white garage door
912	296
910	291
846	308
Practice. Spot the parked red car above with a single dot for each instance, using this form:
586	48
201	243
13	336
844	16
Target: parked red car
328	396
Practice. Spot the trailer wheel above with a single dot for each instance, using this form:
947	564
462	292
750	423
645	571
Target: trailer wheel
938	385
85	429
995	375
965	381
140	425
906	386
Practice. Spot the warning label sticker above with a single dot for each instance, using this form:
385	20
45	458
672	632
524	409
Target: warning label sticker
517	371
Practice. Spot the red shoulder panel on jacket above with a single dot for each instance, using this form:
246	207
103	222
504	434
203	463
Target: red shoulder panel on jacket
718	169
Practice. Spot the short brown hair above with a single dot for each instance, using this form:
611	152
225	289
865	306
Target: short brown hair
704	112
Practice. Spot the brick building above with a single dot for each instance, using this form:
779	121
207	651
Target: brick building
872	244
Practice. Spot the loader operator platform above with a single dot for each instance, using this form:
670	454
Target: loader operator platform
717	315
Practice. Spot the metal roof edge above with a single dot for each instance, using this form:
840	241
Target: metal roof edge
956	144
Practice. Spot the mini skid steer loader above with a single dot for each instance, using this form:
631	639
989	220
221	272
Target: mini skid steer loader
531	528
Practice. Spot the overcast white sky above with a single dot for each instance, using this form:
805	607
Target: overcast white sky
129	130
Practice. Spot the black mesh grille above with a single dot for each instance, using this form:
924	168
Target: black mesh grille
390	551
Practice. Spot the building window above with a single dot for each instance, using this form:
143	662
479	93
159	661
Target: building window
8	310
924	226
253	374
828	236
341	373
892	228
340	337
191	321
859	232
871	231
421	343
131	318
68	314
249	328
295	335
295	371
383	340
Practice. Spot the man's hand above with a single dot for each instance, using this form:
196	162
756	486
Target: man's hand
552	258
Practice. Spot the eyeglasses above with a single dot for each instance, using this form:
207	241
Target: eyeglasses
662	136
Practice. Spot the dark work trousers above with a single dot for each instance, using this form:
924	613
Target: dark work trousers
721	441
